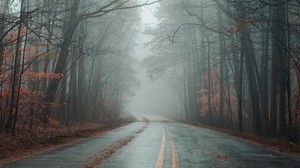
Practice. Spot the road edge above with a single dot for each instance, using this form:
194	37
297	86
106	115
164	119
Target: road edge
42	148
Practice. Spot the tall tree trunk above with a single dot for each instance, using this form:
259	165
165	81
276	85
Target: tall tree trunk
68	32
3	17
15	74
240	90
209	85
278	56
222	61
264	69
62	112
292	127
252	79
47	59
81	77
283	69
73	91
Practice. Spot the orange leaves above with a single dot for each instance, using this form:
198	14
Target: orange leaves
53	122
5	93
14	35
30	50
53	104
23	92
204	96
243	22
42	75
242	25
29	93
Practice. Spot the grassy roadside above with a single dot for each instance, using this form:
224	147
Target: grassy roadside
28	142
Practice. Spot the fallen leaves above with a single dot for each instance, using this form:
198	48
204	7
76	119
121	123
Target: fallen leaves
219	156
109	151
28	141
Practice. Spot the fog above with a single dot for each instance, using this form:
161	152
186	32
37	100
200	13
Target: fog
154	96
233	64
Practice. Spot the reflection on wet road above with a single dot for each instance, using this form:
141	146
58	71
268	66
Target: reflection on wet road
163	144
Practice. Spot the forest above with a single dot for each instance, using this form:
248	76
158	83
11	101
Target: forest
235	63
65	62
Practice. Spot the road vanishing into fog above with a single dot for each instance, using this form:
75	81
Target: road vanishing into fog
160	143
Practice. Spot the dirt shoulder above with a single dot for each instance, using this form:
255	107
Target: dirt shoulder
32	141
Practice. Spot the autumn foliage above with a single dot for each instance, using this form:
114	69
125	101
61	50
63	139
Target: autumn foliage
52	73
243	25
30	100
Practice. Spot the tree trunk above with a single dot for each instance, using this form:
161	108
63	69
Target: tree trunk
252	79
81	79
73	91
209	85
222	61
278	57
68	32
15	75
264	77
240	90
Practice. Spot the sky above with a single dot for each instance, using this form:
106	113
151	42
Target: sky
153	97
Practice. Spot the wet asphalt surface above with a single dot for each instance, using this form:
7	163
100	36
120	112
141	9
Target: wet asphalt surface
195	148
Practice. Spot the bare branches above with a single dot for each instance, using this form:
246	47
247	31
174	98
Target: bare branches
114	6
184	24
273	3
201	24
226	11
100	11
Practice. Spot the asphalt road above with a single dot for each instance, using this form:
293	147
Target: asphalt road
160	144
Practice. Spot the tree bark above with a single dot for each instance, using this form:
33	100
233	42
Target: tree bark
222	62
240	90
68	32
252	79
278	54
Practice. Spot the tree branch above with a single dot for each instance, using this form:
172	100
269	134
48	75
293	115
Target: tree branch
226	11
108	8
203	23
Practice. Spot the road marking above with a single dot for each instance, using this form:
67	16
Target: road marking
161	158
175	163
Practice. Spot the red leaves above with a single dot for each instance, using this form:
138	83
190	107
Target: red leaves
53	122
214	93
243	25
42	75
29	141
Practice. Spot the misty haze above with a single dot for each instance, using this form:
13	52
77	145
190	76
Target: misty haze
149	83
